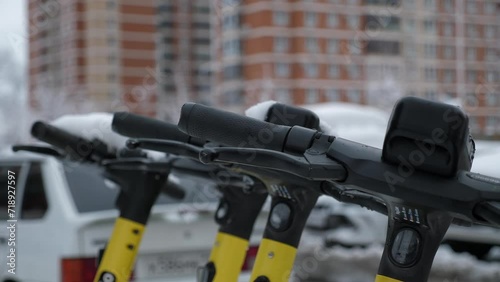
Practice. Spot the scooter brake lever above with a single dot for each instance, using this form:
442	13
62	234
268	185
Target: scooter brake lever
166	146
274	160
45	150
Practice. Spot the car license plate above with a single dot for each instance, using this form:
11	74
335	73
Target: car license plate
171	264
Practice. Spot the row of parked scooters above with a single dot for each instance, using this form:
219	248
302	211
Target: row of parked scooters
420	179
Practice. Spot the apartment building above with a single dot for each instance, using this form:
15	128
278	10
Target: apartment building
100	51
147	56
183	54
360	51
151	56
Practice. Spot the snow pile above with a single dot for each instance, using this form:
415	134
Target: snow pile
339	264
96	126
358	123
259	111
92	126
462	267
487	158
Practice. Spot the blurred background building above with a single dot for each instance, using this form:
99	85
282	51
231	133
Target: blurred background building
152	56
363	51
184	56
95	50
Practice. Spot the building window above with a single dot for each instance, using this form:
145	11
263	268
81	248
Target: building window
312	96
489	7
448	6
355	47
353	21
491	54
449	75
430	51
471	6
410	50
333	45
280	18
471	76
333	20
231	47
283	96
201	9
312	45
491	76
492	99
161	24
202	57
448	29
311	69
471	100
409	25
383	47
234	97
203	41
449	52
430	26
334	71
282	70
471	54
430	74
231	22
489	31
310	19
382	22
333	95
232	72
471	30
354	71
280	44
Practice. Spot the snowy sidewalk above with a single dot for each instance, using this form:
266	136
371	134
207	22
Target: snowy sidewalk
340	264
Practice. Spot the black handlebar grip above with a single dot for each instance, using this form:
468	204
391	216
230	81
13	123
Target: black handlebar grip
75	146
136	126
231	129
53	135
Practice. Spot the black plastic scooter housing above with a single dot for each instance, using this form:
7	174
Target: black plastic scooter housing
429	136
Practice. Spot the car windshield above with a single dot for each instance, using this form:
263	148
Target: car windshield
91	192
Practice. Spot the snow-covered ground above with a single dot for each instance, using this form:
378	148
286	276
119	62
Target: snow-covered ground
338	264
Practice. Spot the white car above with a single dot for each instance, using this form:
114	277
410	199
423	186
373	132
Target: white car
65	214
341	224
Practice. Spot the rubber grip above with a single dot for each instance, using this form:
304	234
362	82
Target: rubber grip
76	147
136	126
53	135
231	129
